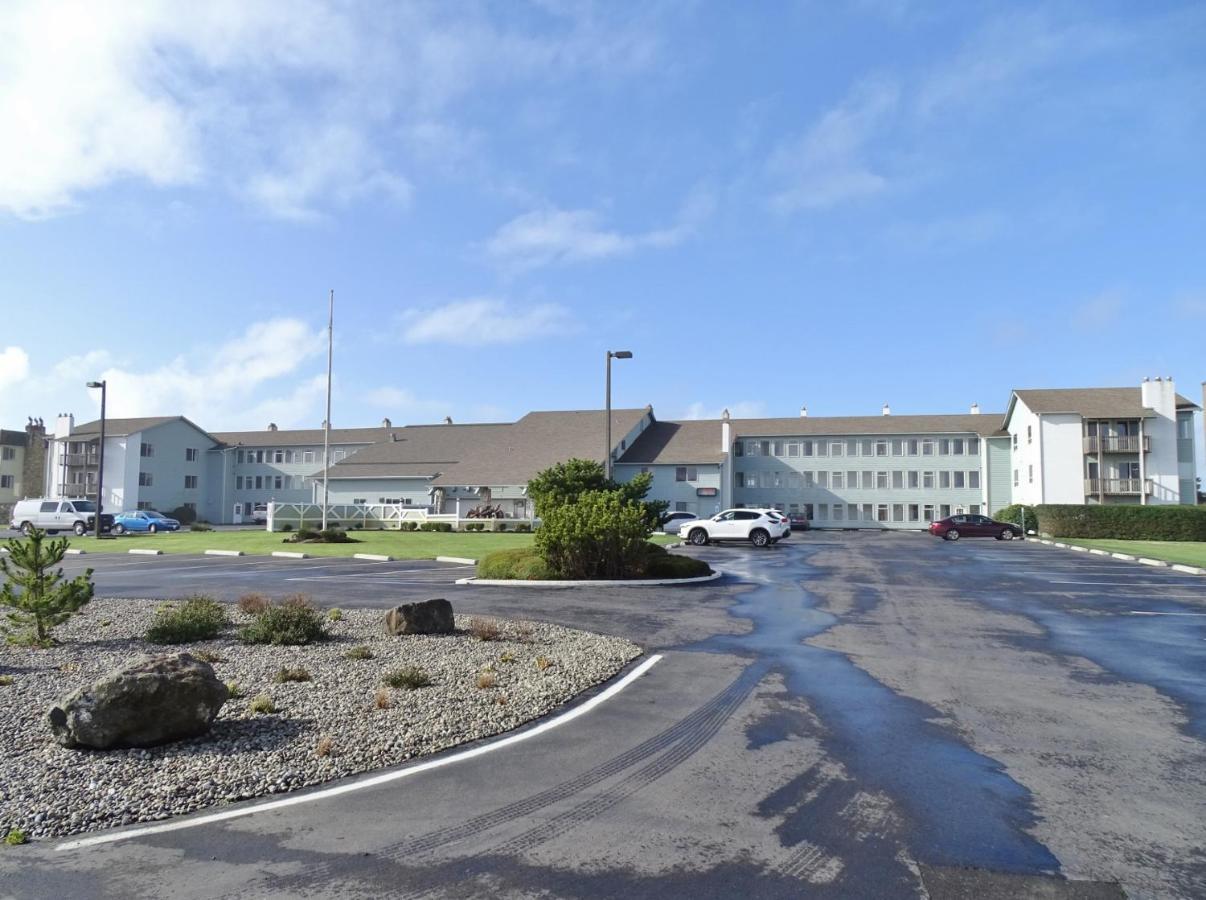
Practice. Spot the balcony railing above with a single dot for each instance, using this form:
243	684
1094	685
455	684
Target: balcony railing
77	490
1098	486
82	459
1119	443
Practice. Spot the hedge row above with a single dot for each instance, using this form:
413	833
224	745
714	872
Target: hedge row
1132	523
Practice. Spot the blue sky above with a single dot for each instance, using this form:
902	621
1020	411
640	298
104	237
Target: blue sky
811	203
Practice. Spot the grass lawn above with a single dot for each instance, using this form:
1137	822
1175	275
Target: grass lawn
1191	553
398	544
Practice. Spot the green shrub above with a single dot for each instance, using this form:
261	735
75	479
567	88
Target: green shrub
285	675
500	525
411	678
436	526
475	526
200	526
15	837
1133	523
334	536
287	527
362	651
660	564
44	599
335	615
408	525
234	690
285	623
1013	514
262	705
524	528
524	563
602	535
253	604
185	515
197	619
6	680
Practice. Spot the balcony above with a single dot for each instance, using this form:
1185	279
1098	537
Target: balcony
1120	443
77	491
83	459
1115	486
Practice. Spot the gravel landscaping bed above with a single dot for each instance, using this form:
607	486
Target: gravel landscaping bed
49	791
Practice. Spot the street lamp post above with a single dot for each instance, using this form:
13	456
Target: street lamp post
100	462
611	354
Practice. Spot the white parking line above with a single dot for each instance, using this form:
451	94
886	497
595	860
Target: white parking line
1140	612
373	781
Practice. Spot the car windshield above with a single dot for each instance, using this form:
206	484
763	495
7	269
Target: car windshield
84	505
154	515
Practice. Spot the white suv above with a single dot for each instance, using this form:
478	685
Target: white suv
758	526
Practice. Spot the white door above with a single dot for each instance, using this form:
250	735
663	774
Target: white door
237	515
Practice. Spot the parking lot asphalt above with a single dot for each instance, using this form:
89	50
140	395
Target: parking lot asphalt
847	715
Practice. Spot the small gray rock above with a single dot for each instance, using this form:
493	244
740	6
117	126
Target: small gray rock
151	701
425	617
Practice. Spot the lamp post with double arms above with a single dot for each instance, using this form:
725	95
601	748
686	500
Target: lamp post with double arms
611	354
100	460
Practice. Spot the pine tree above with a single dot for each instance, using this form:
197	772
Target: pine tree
44	599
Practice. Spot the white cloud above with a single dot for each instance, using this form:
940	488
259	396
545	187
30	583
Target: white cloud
742	409
547	236
14	366
484	321
1099	313
827	165
283	103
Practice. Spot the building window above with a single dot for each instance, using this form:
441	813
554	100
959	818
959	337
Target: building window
974	509
822	511
897	447
838	512
1030	473
1029	434
881	512
959	480
822	448
259	457
973	479
852	448
852	480
277	482
944	447
190	482
914	480
927	512
144	504
881	481
144	479
8	453
868	447
686	473
259	482
146	450
307	456
1015	441
809	479
897	512
944	510
806	448
239	457
238	482
1015	477
190	454
927	448
911	446
837	448
793	449
764	448
881	448
740	479
6	481
957	446
190	505
914	512
823	479
868	481
897	479
944	480
973	446
868	512
777	448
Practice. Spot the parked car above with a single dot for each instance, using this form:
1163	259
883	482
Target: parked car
144	520
953	528
53	516
675	520
799	521
259	514
758	526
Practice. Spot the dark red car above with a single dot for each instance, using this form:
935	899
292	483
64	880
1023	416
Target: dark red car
954	527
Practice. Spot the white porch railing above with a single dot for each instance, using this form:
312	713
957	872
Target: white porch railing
385	516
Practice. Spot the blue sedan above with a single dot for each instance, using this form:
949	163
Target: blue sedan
144	520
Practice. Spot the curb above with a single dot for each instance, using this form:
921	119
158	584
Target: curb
143	551
462	560
223	552
71	551
289	554
375	557
640	582
1127	557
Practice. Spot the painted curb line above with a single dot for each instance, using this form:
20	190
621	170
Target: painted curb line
1061	546
1096	552
375	557
223	552
1143	560
72	551
640	582
373	781
1078	549
1125	556
463	560
1188	570
143	551
289	554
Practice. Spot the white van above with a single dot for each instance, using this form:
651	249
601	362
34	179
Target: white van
53	516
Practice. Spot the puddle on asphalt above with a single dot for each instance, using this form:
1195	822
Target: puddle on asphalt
960	807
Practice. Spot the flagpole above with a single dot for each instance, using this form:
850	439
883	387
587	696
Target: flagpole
326	425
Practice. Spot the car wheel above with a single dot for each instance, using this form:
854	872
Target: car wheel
952	535
119	529
759	537
698	537
153	529
26	529
80	529
1007	534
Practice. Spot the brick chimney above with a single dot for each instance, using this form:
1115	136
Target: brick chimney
33	469
726	432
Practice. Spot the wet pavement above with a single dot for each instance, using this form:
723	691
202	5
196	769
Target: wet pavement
847	715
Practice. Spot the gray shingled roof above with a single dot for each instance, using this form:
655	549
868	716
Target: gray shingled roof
14	438
984	424
418	451
297	437
666	443
123	427
515	454
1093	403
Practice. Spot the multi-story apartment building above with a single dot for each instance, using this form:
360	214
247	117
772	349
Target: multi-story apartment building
22	467
1092	445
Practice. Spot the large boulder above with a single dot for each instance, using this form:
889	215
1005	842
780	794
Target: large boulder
151	701
426	617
